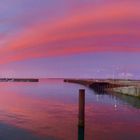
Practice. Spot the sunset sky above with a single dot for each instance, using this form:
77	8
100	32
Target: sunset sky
70	38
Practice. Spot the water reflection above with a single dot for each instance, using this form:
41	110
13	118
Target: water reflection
9	132
49	110
133	101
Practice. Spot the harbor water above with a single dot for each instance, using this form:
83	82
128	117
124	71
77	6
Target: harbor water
48	110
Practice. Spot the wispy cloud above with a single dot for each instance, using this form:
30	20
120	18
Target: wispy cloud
57	37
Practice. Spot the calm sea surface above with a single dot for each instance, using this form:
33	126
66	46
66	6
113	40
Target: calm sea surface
48	110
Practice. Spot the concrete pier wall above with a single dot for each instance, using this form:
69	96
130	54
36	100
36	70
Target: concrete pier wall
126	87
129	90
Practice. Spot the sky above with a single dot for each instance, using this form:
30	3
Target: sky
70	38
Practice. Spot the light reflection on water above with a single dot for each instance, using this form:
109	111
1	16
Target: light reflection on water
48	110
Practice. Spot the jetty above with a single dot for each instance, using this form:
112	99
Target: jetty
18	80
124	86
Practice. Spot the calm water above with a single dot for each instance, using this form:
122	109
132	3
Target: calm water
48	111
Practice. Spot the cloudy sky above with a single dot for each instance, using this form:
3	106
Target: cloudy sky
70	38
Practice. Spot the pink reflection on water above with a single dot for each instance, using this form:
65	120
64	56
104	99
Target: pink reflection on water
54	117
43	117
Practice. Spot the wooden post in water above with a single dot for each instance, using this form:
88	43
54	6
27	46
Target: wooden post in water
81	122
81	133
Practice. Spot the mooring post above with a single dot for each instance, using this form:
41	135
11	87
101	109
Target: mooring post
81	122
81	133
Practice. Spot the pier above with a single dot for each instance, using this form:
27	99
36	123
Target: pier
19	80
127	87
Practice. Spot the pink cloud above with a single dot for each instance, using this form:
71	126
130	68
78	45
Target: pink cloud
74	26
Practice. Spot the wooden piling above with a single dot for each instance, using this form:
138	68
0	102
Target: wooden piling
81	122
81	133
